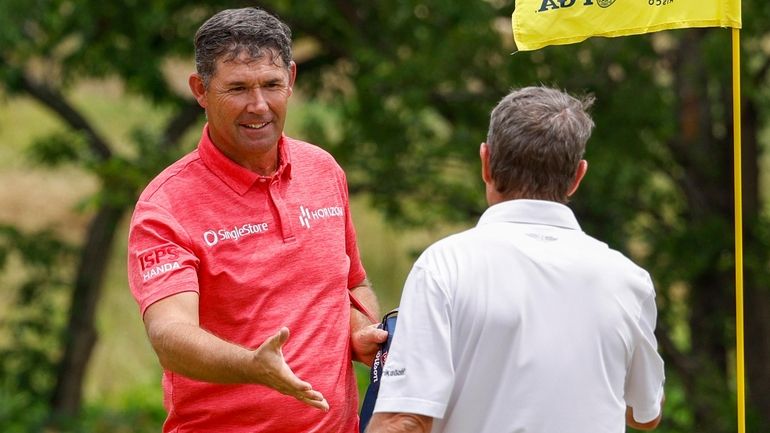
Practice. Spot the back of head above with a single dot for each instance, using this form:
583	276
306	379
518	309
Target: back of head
536	139
233	32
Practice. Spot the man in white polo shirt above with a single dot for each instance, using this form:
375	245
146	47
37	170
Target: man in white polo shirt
524	323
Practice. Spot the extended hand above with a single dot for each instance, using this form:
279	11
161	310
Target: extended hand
366	341
273	371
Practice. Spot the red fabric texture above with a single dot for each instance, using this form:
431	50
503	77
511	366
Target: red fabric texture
262	253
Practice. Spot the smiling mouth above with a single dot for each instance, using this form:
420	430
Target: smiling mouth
255	125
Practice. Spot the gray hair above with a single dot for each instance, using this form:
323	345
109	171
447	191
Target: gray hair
231	32
537	137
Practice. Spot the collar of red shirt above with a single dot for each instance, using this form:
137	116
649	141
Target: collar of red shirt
239	178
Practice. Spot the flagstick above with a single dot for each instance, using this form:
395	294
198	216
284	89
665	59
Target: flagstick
739	354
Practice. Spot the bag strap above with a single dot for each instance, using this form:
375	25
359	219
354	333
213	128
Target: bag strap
360	307
367	408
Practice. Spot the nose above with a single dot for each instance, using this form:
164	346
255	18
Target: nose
257	102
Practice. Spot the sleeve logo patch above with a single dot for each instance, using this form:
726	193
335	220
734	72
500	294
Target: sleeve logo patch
394	372
158	261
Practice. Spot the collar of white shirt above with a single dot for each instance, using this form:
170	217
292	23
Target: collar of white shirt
531	212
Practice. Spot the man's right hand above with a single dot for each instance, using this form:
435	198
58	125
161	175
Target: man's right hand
184	347
273	371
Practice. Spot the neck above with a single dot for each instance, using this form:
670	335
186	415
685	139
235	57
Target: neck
264	166
493	196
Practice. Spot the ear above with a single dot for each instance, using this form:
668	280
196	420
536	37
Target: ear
292	76
486	171
582	168
198	89
492	196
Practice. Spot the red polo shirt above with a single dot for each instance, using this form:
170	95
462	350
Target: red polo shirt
262	253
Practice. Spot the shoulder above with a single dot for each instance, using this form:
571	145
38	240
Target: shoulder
175	176
637	278
621	260
605	254
449	250
302	151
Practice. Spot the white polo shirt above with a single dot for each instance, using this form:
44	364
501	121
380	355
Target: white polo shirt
525	324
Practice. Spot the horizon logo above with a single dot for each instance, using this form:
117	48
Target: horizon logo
306	215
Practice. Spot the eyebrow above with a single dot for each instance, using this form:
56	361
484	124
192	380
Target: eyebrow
275	80
235	83
243	83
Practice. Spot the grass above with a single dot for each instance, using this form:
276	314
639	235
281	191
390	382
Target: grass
123	364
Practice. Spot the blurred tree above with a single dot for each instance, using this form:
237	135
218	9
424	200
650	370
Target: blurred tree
406	88
46	46
660	185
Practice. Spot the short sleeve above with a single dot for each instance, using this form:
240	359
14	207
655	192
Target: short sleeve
160	260
418	375
645	376
356	272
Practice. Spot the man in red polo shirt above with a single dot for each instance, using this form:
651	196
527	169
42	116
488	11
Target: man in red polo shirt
245	240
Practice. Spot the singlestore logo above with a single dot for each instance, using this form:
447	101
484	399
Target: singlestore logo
213	237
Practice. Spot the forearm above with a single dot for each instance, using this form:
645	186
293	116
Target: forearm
365	295
185	348
365	338
399	423
188	350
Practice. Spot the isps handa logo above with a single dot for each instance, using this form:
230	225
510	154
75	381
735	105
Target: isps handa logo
158	261
547	5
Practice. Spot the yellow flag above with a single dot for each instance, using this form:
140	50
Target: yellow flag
537	23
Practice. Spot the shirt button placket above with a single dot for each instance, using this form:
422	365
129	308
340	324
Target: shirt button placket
283	213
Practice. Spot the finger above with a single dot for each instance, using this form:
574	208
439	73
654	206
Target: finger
312	394
279	339
280	376
315	402
299	385
379	335
372	335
